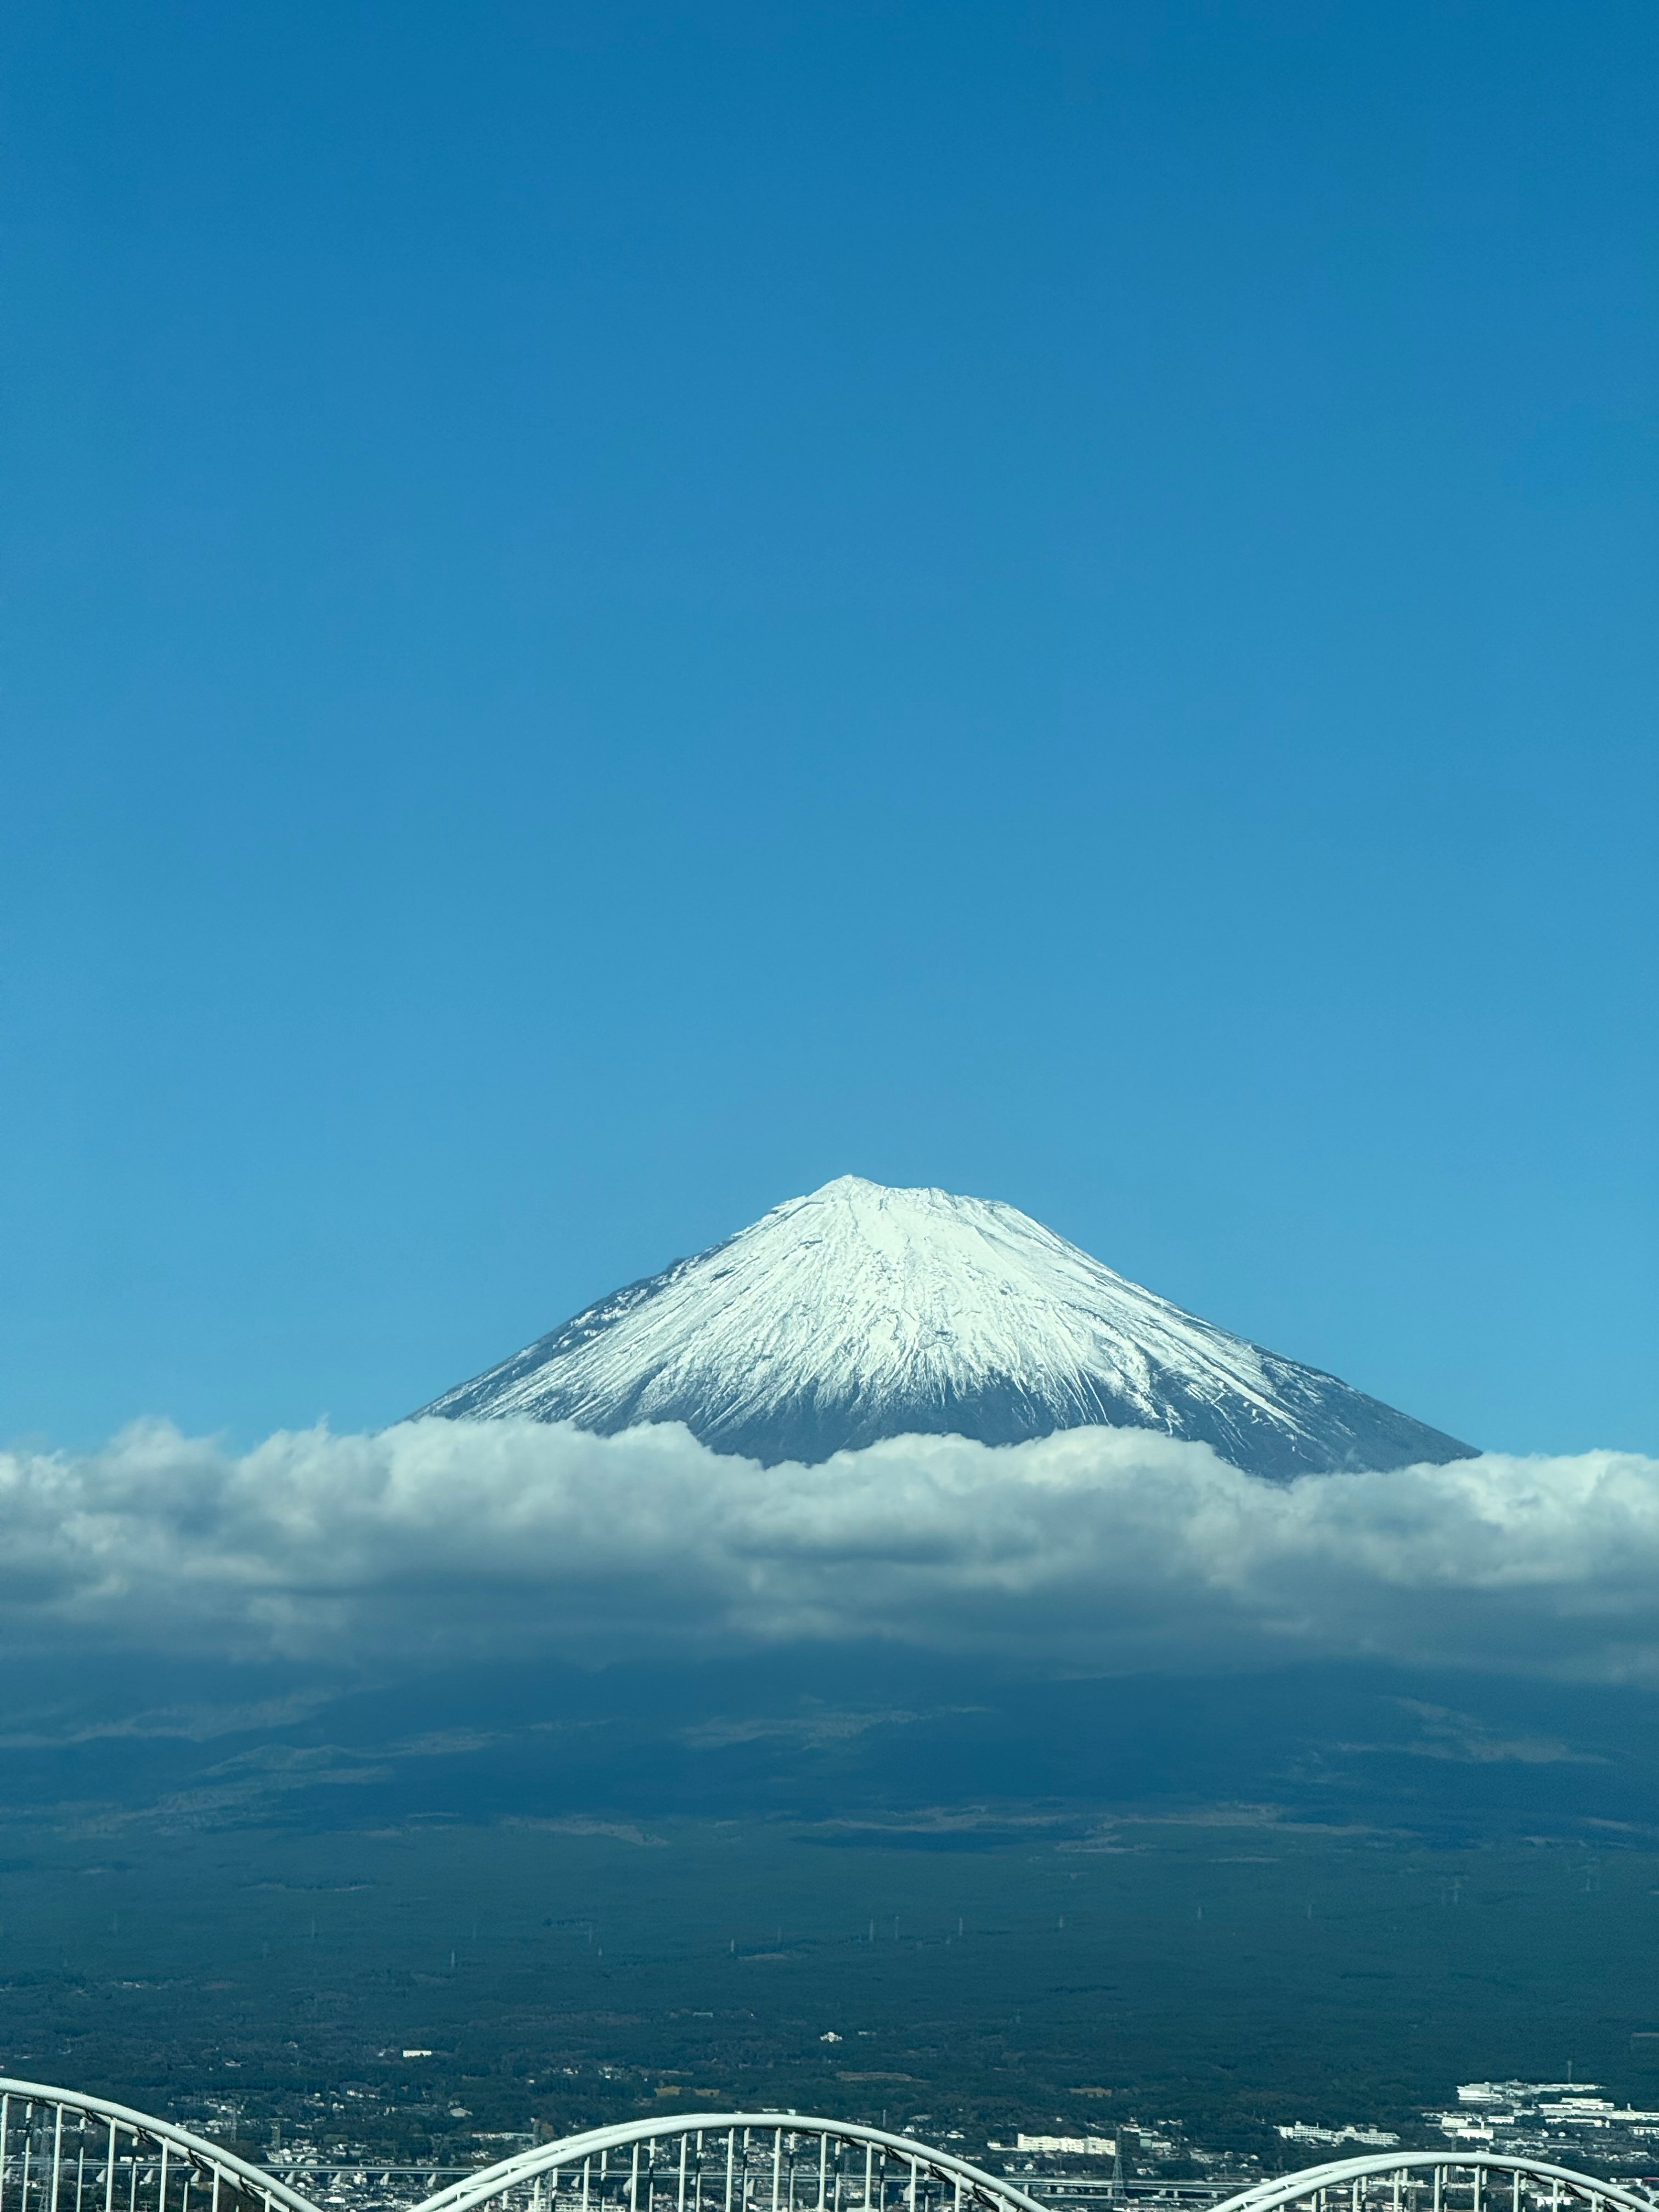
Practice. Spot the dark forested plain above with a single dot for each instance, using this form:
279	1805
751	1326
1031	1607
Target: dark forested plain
855	1885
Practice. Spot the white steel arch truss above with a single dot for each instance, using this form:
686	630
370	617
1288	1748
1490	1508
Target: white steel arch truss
735	2162
64	2151
1438	2181
61	2151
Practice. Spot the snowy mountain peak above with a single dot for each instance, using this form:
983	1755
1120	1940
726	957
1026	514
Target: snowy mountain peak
859	1312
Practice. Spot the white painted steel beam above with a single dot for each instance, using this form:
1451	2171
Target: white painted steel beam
975	2184
1312	2181
29	2108
179	2150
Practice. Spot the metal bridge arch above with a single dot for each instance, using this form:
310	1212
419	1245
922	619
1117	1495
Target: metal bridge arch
64	2151
61	2151
735	2162
1437	2181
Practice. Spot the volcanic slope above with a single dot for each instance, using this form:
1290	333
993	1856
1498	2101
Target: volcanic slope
858	1312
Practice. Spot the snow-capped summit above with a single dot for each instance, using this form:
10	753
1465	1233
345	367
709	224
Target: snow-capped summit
859	1312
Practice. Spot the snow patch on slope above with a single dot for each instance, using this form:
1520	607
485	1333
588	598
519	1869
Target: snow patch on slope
859	1312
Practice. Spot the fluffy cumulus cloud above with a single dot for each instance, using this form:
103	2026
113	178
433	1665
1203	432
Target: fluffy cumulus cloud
1092	1548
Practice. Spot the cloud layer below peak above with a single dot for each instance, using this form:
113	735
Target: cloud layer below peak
1093	1548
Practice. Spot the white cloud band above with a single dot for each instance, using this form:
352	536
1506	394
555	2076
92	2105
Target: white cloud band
1092	1548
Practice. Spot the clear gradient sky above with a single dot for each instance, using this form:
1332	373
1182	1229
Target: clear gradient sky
613	611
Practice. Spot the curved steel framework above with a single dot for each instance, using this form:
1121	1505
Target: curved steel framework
1435	2181
61	2152
735	2162
64	2151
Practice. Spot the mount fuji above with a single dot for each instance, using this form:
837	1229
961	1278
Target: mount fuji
859	1312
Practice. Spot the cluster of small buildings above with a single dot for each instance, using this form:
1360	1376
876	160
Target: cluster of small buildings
1074	2172
1304	2131
1069	2146
1550	2118
1568	2123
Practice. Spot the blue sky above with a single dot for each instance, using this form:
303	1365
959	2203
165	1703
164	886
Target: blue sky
614	611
